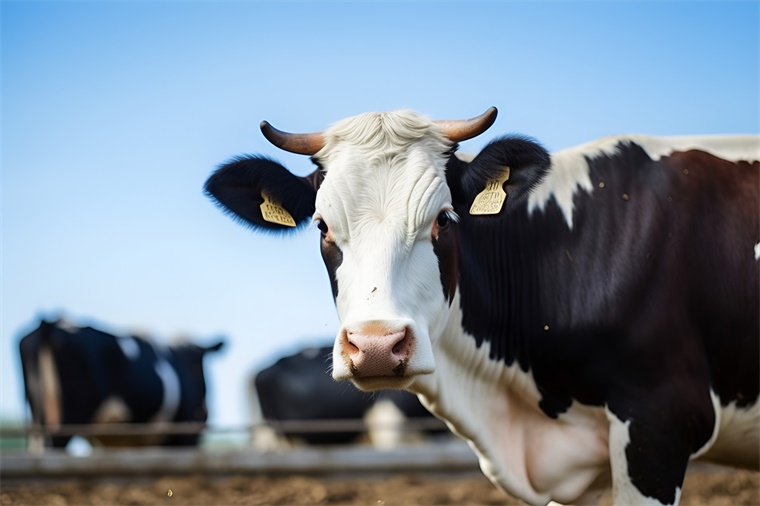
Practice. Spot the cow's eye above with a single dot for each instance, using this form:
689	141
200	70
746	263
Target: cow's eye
322	226
442	222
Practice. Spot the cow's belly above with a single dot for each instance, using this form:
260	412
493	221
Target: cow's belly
738	440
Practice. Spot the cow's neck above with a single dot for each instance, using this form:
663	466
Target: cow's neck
469	403
495	408
499	285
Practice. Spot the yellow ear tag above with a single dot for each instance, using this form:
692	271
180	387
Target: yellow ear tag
491	200
275	213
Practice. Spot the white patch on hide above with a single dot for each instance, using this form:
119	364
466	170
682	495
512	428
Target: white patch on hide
570	170
51	388
129	347
170	381
738	438
623	489
112	410
385	426
716	427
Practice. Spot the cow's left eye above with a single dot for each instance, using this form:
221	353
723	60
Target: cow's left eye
442	222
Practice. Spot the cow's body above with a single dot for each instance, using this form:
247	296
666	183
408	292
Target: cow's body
80	375
602	326
298	387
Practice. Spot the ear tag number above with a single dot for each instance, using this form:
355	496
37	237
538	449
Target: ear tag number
491	200
275	213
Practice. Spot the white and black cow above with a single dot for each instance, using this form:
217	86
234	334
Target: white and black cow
298	387
584	318
80	375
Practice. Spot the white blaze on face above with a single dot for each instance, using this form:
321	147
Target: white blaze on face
384	188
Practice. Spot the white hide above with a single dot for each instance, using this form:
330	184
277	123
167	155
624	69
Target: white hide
738	431
171	388
623	490
570	171
112	410
129	347
50	384
385	426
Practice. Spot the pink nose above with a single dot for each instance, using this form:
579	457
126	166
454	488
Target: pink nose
377	350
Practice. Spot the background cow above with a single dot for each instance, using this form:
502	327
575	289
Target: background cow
80	375
582	318
299	387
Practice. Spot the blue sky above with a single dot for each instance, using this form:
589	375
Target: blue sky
114	114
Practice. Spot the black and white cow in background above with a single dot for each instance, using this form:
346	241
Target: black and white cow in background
299	387
80	375
582	319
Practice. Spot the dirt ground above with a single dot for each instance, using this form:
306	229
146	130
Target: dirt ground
724	488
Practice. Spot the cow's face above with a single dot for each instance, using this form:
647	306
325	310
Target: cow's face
381	212
382	203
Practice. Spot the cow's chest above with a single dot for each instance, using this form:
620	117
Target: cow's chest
521	449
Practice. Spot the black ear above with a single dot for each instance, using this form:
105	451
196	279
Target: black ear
239	185
527	160
214	347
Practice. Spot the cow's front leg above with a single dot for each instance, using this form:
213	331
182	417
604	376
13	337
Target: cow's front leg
651	448
628	487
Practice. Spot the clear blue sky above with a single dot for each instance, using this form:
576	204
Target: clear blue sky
114	114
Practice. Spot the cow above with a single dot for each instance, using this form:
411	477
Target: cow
81	375
583	319
298	388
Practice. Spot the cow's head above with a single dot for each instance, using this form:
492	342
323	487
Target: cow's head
383	196
188	359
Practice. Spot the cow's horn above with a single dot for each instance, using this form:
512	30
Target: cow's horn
461	130
302	144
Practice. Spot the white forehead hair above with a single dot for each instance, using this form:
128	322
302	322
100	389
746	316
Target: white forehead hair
382	133
383	168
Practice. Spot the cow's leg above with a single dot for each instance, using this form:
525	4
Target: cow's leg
624	490
60	441
650	450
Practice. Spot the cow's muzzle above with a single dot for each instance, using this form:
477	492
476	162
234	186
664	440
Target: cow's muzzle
376	349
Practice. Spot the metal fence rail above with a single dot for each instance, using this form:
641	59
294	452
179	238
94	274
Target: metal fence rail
448	456
181	428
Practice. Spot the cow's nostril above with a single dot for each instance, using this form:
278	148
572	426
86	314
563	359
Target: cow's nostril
400	347
349	346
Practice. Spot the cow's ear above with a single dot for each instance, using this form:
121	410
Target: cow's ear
518	162
214	347
241	186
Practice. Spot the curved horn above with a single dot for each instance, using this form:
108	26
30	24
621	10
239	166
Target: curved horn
461	130
302	144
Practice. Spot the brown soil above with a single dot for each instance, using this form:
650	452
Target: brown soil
725	487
